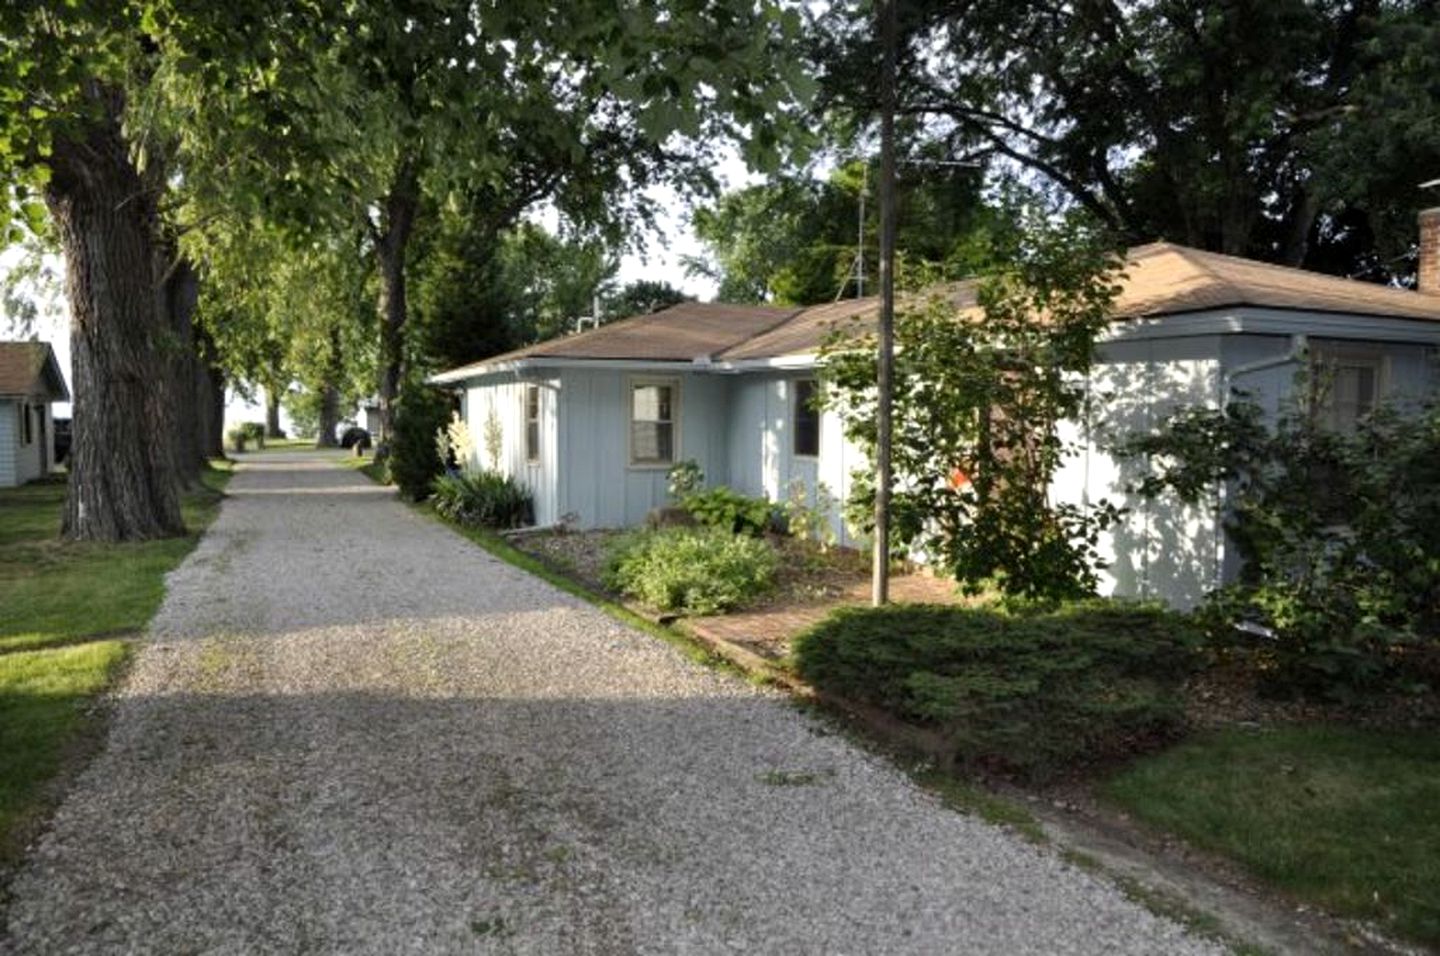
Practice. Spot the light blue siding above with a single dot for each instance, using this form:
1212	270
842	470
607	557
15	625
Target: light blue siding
9	418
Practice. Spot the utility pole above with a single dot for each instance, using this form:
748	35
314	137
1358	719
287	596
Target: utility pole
889	41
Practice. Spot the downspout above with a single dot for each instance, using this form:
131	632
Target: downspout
1299	348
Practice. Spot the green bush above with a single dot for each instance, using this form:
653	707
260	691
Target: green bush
247	433
729	510
1340	535
413	461
484	499
694	570
1031	691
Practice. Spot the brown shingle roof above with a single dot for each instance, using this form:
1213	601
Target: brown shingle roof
1160	279
29	370
680	333
1163	278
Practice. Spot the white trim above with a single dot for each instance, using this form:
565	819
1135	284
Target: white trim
640	381
1259	321
525	391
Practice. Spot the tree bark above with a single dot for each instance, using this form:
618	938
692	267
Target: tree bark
330	394
272	412
391	241
181	288
122	481
209	398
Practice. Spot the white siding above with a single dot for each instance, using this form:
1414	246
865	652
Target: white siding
504	395
761	453
9	418
1163	548
598	483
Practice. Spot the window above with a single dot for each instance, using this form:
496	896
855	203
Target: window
1348	384
652	422
532	423
27	424
805	418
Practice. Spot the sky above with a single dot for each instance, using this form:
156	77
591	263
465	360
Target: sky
664	249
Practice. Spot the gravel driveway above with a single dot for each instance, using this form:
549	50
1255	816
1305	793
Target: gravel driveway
350	730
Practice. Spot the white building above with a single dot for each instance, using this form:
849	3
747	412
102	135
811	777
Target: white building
30	380
592	422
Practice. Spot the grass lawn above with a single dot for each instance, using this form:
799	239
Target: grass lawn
67	609
1343	818
53	591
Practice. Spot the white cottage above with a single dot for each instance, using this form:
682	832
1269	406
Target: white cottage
30	380
592	422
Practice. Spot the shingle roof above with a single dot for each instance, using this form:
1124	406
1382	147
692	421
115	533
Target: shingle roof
681	333
1160	279
29	370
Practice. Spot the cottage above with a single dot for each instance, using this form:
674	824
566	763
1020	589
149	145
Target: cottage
30	380
592	422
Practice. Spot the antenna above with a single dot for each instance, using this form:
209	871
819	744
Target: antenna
857	267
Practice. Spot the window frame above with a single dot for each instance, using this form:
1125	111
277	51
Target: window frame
650	381
796	407
1348	355
532	455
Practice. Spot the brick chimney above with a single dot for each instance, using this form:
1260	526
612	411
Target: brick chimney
1430	251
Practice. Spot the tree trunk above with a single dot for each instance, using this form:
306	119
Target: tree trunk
330	394
209	398
394	236
272	412
181	289
122	483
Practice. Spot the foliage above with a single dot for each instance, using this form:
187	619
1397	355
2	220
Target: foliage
1287	131
1339	532
641	297
691	570
1339	817
807	520
1034	691
484	499
413	461
729	510
794	240
247	433
684	477
979	394
494	437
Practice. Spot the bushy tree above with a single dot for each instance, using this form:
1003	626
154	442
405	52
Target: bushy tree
984	373
1339	533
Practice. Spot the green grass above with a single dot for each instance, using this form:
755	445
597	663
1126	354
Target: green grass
1343	818
64	604
55	592
43	713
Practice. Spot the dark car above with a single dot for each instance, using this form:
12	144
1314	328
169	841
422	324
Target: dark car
62	440
355	435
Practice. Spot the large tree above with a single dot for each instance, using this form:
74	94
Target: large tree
796	239
1295	131
510	105
64	142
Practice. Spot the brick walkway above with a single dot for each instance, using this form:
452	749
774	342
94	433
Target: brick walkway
768	631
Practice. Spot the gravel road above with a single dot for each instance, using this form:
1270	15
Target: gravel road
350	730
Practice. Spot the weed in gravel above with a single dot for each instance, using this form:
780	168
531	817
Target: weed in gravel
794	778
492	926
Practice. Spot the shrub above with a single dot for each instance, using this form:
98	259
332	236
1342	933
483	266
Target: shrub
1032	691
413	461
483	499
695	570
729	510
247	433
1340	536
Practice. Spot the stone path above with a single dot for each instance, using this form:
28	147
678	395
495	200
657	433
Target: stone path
352	731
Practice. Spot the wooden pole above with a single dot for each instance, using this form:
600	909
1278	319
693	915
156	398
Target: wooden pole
880	579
